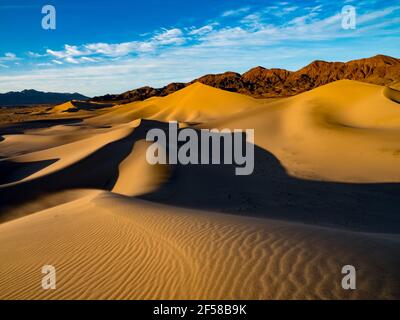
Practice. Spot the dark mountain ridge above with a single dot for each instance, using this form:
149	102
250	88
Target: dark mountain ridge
30	97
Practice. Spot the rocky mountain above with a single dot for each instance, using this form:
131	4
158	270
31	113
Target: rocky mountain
140	94
30	97
260	82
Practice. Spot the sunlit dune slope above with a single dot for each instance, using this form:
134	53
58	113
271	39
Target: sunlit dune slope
136	176
63	156
193	104
345	131
110	247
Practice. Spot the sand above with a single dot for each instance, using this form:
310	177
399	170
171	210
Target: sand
81	196
110	247
76	106
346	131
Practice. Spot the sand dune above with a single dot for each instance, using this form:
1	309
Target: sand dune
75	106
324	193
109	247
193	104
151	176
346	131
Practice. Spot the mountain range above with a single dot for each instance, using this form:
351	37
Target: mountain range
260	82
28	97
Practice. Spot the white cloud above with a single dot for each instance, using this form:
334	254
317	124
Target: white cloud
9	56
90	52
89	59
256	30
68	52
171	36
371	16
237	12
203	30
35	55
290	9
57	54
253	20
43	64
112	50
71	60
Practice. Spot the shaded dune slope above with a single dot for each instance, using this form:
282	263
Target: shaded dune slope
392	94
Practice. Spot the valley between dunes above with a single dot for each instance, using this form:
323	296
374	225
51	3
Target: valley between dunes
78	193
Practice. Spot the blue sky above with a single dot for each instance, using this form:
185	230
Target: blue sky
103	47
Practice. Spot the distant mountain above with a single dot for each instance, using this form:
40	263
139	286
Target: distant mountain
260	82
28	97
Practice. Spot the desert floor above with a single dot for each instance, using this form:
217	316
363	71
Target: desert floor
76	192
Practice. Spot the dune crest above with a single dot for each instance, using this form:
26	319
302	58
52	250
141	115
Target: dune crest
196	103
75	106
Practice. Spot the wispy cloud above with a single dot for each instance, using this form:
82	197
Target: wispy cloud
34	55
236	12
90	52
193	31
171	36
9	56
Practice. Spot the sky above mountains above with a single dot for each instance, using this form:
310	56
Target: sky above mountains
103	47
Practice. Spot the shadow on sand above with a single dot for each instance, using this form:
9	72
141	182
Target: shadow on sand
271	192
20	127
268	192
